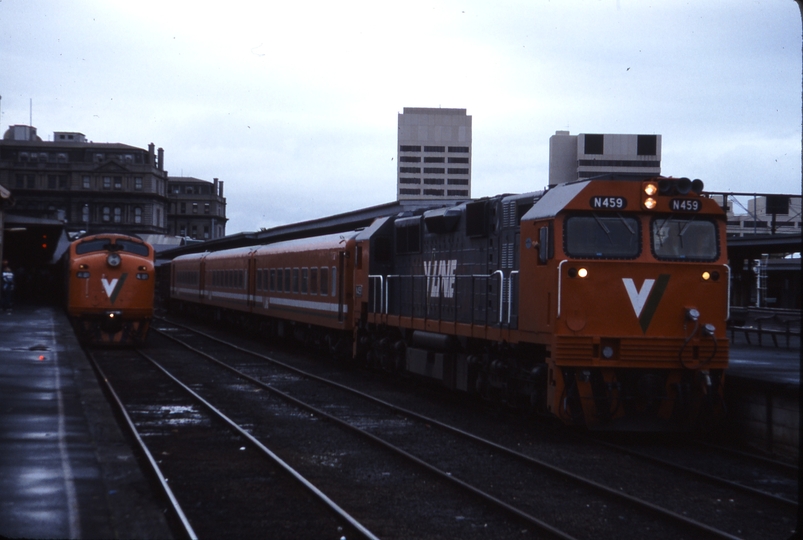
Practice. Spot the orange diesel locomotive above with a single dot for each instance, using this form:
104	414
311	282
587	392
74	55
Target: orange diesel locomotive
602	302
110	288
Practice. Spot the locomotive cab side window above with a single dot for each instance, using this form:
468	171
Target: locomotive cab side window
602	236
684	238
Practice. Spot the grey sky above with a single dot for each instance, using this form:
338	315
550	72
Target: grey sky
294	104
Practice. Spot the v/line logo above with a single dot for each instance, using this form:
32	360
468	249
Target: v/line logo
646	299
113	286
440	277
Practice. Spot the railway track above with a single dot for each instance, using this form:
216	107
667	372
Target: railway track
536	491
200	456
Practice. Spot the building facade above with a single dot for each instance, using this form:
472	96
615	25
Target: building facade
433	154
93	187
574	157
197	208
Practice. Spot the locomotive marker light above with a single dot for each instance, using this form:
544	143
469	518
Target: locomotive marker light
650	189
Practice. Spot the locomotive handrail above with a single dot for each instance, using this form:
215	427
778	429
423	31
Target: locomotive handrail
560	282
728	281
510	294
382	303
501	294
384	291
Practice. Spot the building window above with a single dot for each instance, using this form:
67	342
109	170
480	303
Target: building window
98	158
194	232
410	159
206	232
51	181
408	191
206	208
436	192
137	214
118	182
107	213
118	214
647	145
458	149
62	181
434	160
107	182
433	170
409	180
458	182
594	144
194	208
434	149
457	171
25	157
85	213
61	158
158	217
457	193
30	181
458	160
410	169
183	207
138	183
408	148
86	182
433	181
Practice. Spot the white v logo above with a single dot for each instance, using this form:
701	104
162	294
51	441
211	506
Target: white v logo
638	298
109	286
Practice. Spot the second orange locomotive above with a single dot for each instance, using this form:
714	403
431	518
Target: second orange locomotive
110	288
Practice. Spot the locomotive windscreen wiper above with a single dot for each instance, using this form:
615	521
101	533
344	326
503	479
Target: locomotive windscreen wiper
603	227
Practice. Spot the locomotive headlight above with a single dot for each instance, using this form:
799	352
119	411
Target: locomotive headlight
582	272
649	203
713	276
113	260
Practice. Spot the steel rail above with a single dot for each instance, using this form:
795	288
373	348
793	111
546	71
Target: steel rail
176	507
789	467
698	473
361	529
533	461
381	442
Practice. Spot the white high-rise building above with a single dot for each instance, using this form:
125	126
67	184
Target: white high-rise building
573	157
434	154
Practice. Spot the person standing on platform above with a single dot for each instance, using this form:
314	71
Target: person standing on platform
7	291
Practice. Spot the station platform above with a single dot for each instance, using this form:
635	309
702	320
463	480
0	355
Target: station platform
66	469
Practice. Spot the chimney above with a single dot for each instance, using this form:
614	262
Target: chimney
161	159
221	189
215	188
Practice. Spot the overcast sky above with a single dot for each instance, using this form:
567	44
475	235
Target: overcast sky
294	104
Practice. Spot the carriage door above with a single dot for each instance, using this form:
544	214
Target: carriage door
341	270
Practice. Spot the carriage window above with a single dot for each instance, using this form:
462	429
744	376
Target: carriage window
304	280
286	280
273	279
602	236
313	281
324	281
295	280
682	238
279	280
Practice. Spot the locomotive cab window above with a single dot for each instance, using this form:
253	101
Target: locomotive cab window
602	236
684	238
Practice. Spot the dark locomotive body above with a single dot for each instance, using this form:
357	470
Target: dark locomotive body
110	288
596	301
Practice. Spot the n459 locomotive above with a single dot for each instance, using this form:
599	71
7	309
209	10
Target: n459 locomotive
602	302
110	288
